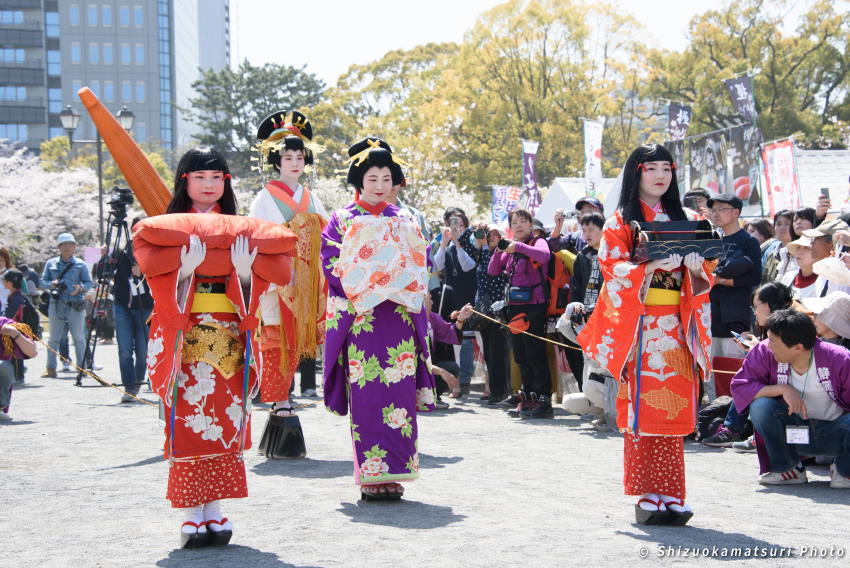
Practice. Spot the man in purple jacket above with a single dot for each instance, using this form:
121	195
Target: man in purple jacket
797	388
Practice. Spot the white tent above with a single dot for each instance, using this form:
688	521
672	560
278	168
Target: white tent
564	193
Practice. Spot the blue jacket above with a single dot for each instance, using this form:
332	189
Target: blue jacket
77	274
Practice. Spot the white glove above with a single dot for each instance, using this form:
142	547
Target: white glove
694	262
668	264
192	258
242	259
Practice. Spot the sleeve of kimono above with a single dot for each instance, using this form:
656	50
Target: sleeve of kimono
752	377
335	365
444	331
623	279
331	243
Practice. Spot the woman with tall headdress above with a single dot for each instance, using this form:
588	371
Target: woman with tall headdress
200	327
650	329
292	315
376	352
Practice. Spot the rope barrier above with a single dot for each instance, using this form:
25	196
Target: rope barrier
503	324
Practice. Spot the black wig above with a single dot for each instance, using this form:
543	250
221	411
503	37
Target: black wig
629	204
376	158
197	159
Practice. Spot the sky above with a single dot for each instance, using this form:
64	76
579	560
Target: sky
329	35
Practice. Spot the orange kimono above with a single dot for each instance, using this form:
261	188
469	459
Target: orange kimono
652	332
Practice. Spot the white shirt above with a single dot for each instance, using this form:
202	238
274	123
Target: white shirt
819	405
810	291
466	262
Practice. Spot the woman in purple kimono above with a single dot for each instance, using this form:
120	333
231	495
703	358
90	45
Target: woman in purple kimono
376	352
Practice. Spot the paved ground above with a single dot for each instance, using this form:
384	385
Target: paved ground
82	484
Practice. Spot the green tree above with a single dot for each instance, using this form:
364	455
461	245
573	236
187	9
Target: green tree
232	102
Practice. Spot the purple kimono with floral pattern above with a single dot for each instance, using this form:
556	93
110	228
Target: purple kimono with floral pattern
376	364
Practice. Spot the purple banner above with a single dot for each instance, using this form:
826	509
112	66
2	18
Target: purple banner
678	120
529	175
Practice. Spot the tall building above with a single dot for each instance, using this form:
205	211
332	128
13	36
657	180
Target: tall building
142	54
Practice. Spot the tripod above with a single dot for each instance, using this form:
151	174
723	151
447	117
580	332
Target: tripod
117	237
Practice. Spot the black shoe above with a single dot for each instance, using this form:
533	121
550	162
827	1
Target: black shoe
511	401
522	403
495	399
540	408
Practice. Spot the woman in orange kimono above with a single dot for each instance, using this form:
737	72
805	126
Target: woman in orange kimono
196	355
650	330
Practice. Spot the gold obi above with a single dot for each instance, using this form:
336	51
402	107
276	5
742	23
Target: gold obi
662	297
212	303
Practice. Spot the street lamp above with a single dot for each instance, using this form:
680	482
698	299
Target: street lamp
70	119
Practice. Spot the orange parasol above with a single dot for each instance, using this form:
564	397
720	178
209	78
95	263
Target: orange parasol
140	174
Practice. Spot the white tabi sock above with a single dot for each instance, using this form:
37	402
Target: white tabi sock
212	513
194	515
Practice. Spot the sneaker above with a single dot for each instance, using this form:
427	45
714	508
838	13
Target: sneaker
723	438
494	399
539	408
511	401
442	405
523	403
793	476
5	417
747	446
836	480
127	398
310	393
67	369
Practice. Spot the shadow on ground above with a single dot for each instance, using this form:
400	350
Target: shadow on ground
689	537
231	555
402	514
148	461
436	462
305	468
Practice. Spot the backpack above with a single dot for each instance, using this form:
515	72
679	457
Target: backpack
27	314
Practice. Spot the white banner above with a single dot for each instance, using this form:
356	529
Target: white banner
592	157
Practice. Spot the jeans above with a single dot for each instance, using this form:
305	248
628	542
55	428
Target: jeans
467	361
60	316
131	330
734	421
530	352
827	437
7	380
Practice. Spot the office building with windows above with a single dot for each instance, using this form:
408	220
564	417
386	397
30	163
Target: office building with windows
142	54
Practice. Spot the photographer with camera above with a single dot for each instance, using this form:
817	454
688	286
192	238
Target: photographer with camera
523	261
67	279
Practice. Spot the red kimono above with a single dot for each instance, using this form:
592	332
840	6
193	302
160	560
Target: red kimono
652	332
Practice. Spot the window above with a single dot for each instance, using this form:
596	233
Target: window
94	53
76	85
140	54
11	17
13	93
108	91
127	91
56	131
51	24
141	132
54	63
54	101
138	16
75	52
12	55
74	14
124	16
92	15
125	54
107	54
95	88
14	132
140	91
106	16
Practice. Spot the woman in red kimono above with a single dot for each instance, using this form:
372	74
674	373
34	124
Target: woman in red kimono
196	358
650	330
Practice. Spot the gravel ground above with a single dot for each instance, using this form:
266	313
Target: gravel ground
83	484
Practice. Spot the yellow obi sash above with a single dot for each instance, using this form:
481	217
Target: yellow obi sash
662	297
212	303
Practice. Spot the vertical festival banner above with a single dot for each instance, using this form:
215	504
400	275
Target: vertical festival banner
708	163
744	151
529	175
677	148
780	172
678	120
505	199
743	96
592	157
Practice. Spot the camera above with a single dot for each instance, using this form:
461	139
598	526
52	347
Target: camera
503	244
580	317
56	288
121	198
479	233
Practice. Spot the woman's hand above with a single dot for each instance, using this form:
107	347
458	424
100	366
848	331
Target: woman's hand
242	259
9	330
21	341
465	313
668	264
447	237
511	248
191	258
694	261
450	379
